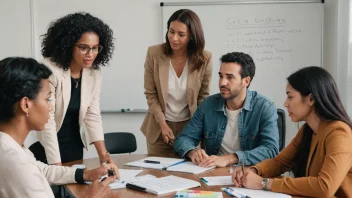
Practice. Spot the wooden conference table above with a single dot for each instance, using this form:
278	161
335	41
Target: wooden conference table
78	190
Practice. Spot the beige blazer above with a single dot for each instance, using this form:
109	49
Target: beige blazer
23	176
156	74
89	113
329	166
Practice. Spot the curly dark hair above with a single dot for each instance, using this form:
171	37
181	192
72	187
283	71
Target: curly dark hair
19	77
243	59
63	33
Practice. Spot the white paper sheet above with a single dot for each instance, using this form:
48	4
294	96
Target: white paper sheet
164	162
126	175
259	193
217	180
166	184
188	167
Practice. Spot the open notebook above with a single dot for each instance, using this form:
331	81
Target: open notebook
163	185
169	164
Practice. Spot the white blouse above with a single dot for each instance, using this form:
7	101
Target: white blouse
177	106
23	176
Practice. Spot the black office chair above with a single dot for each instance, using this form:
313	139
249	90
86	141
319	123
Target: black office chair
38	150
120	142
281	124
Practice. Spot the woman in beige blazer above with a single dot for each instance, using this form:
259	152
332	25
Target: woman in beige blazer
25	105
320	155
74	48
176	79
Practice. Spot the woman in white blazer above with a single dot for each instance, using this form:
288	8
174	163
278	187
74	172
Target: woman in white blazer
25	105
74	48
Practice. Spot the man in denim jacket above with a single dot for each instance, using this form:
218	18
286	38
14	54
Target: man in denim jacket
237	125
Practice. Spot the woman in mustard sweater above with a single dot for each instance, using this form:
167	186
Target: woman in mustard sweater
320	155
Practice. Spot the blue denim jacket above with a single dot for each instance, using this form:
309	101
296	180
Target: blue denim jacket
257	125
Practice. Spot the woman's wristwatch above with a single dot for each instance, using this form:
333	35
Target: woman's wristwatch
265	182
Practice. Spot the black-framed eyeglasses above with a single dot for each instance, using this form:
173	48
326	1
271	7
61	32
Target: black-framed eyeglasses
85	49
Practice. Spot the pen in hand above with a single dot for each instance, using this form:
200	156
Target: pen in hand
242	167
111	172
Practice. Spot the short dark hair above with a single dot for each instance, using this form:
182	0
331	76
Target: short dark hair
243	59
327	104
196	45
63	33
19	77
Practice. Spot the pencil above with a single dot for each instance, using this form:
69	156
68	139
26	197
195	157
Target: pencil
242	167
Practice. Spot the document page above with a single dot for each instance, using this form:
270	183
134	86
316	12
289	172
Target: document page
189	167
255	193
159	163
217	180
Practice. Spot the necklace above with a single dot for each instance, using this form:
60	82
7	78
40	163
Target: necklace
77	81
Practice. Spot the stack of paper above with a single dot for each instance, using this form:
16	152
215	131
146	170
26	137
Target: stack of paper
217	180
164	185
198	193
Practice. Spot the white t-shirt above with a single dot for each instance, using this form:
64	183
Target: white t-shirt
177	106
231	141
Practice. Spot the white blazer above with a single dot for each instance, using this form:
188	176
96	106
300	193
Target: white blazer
89	113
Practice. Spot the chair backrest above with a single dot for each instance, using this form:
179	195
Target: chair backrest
281	124
38	150
120	142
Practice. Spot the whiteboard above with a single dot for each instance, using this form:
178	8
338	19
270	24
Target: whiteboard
280	37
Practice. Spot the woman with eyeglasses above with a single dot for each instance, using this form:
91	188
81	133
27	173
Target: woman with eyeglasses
75	47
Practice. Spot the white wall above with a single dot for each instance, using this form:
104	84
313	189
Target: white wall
16	41
336	32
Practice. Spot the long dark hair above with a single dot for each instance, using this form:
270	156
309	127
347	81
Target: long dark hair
196	45
328	107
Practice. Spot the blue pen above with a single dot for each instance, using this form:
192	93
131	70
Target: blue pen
165	168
